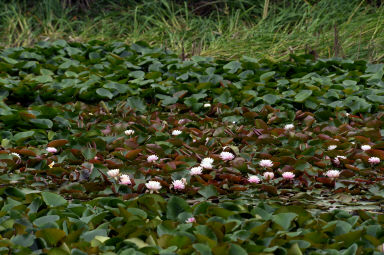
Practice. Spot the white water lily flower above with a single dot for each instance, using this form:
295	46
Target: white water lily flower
176	132
52	164
289	126
15	154
153	186
207	160
196	170
113	173
129	132
206	165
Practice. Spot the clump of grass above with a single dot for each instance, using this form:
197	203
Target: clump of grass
228	30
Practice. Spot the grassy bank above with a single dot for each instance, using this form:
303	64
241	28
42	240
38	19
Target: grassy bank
351	29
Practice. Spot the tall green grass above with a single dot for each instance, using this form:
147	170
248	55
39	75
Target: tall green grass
230	29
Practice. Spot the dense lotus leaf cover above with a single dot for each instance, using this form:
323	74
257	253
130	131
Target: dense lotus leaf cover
117	149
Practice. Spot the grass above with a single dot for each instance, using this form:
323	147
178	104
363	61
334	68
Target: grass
226	32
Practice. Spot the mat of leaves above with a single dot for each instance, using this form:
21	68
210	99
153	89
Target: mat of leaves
71	113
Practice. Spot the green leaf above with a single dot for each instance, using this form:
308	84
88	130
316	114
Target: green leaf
43	78
89	235
376	99
357	104
94	55
284	219
25	240
224	98
52	199
68	63
175	206
342	227
45	219
121	88
14	192
208	191
51	235
237	250
73	51
232	66
59	251
295	250
42	123
89	153
20	137
265	77
203	249
167	100
9	60
138	242
104	93
206	231
221	212
303	95
271	99
136	103
193	103
4	143
137	74
351	250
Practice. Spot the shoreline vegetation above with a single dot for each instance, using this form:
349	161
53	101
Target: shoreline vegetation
223	29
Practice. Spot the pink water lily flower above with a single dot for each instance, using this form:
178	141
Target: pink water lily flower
374	160
253	179
51	149
337	159
288	175
178	185
266	163
125	180
191	220
269	175
225	155
366	147
332	173
152	158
